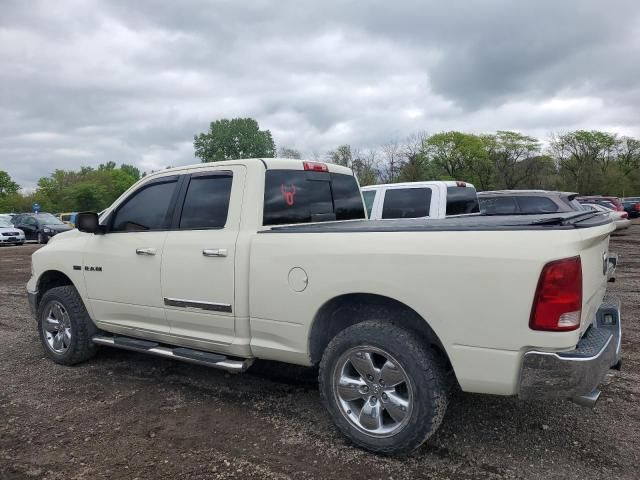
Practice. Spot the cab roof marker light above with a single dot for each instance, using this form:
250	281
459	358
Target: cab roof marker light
315	166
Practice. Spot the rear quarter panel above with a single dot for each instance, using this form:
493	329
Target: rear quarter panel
475	289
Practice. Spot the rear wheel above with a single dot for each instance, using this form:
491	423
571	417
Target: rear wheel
385	389
65	327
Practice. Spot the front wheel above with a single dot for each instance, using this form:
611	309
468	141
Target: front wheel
385	389
65	326
41	238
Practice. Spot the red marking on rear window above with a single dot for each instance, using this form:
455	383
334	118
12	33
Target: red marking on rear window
289	194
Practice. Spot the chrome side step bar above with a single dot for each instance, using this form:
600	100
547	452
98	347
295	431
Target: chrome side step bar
188	355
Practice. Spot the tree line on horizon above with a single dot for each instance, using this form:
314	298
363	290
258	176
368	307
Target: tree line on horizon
583	161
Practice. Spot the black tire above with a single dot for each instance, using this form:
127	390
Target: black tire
81	347
425	372
41	239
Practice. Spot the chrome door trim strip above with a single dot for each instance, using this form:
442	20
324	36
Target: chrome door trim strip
210	306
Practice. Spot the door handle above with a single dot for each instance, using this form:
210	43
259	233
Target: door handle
214	252
145	251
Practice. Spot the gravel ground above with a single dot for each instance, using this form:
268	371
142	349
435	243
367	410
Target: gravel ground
126	415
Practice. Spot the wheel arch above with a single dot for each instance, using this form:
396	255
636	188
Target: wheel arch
51	279
349	309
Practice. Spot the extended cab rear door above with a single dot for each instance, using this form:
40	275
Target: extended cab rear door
198	274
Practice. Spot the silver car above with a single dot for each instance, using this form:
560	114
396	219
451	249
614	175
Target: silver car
10	235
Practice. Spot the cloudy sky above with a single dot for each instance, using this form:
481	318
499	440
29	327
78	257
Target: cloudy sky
84	82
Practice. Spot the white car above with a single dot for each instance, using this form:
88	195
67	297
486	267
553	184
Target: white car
620	219
222	263
433	199
10	235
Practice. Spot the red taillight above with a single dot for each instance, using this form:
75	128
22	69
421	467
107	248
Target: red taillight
636	207
557	305
624	215
316	166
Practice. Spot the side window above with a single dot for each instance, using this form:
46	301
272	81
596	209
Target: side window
498	205
406	203
537	205
347	200
206	204
146	209
369	196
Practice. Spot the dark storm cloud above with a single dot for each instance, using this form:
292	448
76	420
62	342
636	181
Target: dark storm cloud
83	83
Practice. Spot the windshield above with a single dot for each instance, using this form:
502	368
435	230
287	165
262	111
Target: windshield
48	219
5	223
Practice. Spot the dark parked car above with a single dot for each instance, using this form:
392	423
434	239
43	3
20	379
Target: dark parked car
599	198
39	226
526	202
632	207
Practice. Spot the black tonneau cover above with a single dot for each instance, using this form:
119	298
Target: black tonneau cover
555	221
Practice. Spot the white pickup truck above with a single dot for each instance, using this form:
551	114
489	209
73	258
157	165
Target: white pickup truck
222	263
432	199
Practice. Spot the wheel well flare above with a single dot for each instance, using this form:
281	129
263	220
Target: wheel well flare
346	310
51	279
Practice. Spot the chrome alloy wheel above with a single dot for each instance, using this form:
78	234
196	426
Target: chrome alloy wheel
373	391
56	328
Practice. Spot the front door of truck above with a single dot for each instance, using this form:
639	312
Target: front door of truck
198	264
122	267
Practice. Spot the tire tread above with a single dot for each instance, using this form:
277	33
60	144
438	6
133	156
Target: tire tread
82	348
433	381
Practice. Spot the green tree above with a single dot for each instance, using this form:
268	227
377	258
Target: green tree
7	185
342	155
449	153
584	158
365	168
131	171
86	189
234	139
460	156
508	151
538	172
414	167
363	164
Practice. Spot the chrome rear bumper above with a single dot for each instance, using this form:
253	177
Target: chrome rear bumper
576	374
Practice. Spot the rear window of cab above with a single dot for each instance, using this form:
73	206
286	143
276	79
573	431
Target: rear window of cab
299	196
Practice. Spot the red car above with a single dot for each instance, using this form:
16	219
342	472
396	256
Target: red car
594	198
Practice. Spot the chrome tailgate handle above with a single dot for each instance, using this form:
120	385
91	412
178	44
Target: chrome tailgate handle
214	252
145	251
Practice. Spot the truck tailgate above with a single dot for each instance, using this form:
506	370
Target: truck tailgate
594	255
